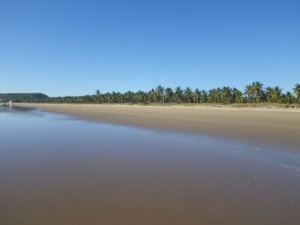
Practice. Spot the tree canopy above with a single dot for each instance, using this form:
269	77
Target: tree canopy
253	93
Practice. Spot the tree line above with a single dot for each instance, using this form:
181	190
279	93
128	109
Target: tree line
253	93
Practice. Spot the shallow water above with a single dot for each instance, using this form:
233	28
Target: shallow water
55	169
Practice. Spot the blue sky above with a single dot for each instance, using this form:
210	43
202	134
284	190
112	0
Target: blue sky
71	47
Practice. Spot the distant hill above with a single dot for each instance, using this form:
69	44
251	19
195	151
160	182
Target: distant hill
23	97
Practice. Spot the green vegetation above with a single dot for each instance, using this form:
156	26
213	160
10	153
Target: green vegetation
253	95
24	97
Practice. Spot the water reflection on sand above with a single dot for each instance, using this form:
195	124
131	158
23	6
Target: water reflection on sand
55	169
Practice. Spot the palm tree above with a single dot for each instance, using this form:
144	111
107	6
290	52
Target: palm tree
297	91
151	96
140	97
273	94
178	94
203	97
226	95
288	98
197	95
98	96
169	95
237	96
213	96
278	92
258	90
129	97
188	93
249	93
254	92
160	93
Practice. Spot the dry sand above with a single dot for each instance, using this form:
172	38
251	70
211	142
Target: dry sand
274	126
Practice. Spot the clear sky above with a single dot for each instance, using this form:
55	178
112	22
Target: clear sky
70	47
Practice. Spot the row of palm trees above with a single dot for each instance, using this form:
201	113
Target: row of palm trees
253	93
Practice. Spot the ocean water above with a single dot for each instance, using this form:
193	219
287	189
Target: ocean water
56	169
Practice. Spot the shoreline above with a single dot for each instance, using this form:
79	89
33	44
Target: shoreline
268	125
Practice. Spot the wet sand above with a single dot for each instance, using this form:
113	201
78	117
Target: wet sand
273	126
56	169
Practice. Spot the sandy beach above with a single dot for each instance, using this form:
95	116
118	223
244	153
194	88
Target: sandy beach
273	126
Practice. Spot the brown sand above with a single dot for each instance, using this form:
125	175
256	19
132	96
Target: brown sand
274	126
